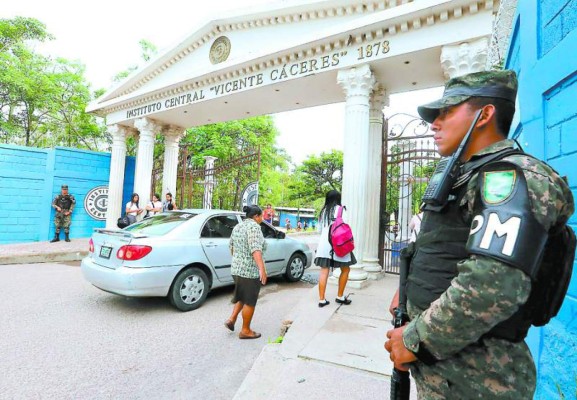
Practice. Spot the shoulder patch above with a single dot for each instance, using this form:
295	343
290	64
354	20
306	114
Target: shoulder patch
498	186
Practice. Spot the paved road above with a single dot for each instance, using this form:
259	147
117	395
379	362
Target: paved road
61	338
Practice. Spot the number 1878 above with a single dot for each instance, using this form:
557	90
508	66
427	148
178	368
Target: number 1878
373	50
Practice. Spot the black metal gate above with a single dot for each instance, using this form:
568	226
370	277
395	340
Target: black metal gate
225	180
409	159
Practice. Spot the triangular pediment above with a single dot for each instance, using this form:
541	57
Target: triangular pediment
298	39
266	30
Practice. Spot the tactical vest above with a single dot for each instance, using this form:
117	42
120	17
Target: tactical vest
64	202
438	249
440	246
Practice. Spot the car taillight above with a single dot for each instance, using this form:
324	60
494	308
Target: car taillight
133	252
90	246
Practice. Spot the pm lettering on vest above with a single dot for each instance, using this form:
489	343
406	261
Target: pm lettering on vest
495	228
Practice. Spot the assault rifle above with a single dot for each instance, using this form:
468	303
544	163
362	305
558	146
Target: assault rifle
401	380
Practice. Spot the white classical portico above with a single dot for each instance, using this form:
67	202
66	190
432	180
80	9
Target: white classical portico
291	55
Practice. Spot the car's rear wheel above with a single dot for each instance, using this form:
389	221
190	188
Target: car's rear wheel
295	268
189	289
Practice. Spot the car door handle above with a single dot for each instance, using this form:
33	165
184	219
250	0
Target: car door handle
210	244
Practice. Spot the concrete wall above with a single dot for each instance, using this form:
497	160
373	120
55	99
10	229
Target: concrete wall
30	178
542	51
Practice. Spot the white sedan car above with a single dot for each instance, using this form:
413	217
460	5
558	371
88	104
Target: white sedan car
181	255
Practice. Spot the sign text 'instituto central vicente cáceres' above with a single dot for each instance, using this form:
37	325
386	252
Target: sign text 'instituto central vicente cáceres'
272	75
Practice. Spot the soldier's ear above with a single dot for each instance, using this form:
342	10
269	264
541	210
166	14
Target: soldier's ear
488	115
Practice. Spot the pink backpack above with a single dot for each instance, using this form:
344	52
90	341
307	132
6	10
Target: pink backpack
341	236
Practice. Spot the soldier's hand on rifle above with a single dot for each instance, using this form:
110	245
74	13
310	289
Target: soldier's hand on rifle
394	303
399	353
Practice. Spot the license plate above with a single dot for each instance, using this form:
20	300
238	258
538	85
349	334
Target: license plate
105	252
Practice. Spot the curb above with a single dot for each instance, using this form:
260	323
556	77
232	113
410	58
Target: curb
43	258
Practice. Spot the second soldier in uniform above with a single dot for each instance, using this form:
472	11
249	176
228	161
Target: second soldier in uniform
64	205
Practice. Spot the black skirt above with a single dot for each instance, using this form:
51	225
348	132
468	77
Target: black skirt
246	290
330	263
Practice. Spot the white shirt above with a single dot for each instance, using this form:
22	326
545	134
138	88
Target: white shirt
132	207
415	226
155	204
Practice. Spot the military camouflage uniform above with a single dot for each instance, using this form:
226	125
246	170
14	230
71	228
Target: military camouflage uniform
484	292
66	203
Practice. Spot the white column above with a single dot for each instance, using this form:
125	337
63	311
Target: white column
172	136
358	84
464	58
373	199
116	180
208	182
406	191
143	174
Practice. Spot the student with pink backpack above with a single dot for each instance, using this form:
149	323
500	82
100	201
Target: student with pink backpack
335	247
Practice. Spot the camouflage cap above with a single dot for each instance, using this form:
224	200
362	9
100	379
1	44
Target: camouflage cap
496	84
64	187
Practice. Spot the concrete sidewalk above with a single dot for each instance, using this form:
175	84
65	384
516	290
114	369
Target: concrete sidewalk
39	252
331	352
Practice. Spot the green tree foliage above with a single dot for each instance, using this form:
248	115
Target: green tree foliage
14	32
229	141
42	101
315	177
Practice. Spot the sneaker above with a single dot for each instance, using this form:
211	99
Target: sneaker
346	301
326	303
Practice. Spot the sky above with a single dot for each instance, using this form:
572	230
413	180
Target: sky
104	36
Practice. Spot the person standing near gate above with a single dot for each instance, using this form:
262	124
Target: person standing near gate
473	264
64	205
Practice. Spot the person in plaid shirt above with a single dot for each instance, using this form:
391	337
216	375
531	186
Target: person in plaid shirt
247	245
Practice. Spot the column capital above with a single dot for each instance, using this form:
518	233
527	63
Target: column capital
173	132
357	81
147	125
120	131
464	58
379	99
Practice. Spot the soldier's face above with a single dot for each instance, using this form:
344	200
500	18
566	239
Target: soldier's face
451	126
65	191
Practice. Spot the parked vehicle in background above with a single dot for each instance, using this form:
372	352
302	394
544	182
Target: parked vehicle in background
181	255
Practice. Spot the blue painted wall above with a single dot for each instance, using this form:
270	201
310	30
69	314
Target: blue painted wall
30	178
542	51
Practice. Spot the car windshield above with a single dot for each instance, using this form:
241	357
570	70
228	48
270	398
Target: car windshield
160	224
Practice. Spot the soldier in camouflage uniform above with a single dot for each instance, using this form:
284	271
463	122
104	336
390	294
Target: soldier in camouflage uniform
64	205
465	282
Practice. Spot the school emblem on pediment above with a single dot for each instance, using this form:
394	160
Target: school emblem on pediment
219	50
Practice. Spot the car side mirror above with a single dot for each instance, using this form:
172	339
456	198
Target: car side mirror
280	235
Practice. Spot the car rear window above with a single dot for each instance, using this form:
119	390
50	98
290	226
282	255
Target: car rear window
160	224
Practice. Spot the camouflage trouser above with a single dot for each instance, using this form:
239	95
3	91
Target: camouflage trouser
489	369
62	221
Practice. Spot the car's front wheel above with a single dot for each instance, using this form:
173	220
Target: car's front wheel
189	289
295	267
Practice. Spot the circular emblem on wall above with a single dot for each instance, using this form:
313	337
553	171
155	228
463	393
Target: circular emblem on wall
250	195
219	50
96	202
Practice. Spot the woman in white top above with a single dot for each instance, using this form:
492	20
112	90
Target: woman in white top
154	207
415	226
133	209
324	257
